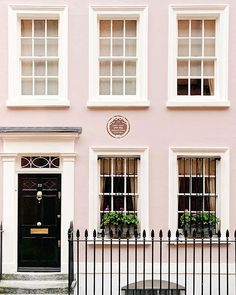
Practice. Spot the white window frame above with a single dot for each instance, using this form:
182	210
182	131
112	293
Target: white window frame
223	181
15	13
112	12
143	188
221	13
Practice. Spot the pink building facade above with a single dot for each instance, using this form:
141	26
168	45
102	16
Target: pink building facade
75	76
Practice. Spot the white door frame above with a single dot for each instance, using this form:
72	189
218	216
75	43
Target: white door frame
15	145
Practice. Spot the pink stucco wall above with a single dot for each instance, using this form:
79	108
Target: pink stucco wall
155	127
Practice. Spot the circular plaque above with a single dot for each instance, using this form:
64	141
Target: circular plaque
118	126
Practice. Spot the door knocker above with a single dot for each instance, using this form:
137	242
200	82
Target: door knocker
39	196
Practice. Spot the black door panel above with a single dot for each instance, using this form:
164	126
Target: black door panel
39	222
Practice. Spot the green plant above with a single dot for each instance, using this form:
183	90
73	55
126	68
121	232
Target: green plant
130	219
117	218
199	219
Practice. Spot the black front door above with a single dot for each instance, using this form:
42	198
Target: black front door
39	222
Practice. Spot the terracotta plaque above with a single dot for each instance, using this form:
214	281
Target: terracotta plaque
39	231
118	126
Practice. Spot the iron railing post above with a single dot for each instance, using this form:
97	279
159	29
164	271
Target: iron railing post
70	258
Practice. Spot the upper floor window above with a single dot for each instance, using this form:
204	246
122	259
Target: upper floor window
198	56
118	56
37	63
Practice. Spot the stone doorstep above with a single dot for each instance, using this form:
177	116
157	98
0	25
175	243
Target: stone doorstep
34	283
35	276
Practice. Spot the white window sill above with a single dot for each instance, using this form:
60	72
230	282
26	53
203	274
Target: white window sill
197	103
36	102
118	103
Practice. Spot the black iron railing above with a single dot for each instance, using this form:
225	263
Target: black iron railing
1	237
71	275
150	265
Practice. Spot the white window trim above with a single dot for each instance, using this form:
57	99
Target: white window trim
223	183
143	205
221	98
15	99
136	11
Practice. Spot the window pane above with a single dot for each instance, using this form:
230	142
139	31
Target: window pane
27	87
130	28
196	203
132	166
182	68
130	68
39	68
105	28
196	47
52	47
183	184
117	86
52	86
210	185
119	166
39	28
130	86
209	47
117	47
197	185
117	68
184	166
105	68
105	166
208	68
208	87
26	28
183	203
105	47
39	47
195	68
52	68
195	86
183	28
52	28
209	28
196	28
210	203
26	47
183	47
118	203
104	87
210	166
39	87
197	165
26	68
118	28
182	86
118	184
130	47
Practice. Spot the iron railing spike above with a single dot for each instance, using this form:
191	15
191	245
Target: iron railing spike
152	233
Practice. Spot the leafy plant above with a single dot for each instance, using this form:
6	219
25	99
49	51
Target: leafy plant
199	219
130	219
117	218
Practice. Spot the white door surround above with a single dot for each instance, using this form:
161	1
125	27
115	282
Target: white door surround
35	142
